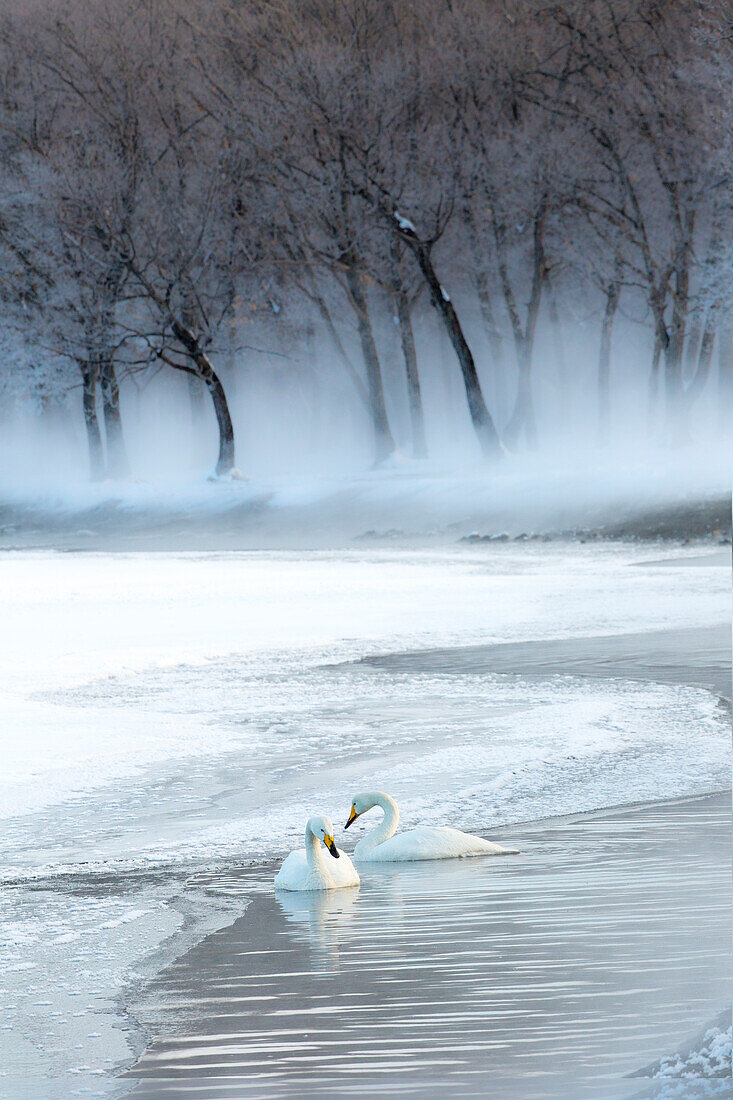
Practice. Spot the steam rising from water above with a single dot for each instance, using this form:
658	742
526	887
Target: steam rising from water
297	421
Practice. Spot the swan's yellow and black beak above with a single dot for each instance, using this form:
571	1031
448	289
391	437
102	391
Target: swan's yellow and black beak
352	817
330	844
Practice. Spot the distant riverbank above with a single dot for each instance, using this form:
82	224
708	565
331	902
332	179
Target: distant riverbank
412	505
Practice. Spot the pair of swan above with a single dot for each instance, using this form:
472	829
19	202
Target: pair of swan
310	869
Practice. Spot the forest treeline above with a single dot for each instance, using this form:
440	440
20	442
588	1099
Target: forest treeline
178	175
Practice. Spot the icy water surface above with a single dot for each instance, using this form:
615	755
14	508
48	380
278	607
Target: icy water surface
695	655
549	975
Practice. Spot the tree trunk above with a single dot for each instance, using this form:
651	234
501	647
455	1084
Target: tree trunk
523	416
383	442
565	393
725	379
225	461
702	323
414	395
704	356
117	464
483	293
195	401
695	331
483	424
613	293
407	338
674	389
343	354
89	372
187	338
653	394
486	306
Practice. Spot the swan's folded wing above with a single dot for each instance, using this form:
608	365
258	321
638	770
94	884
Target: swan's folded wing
476	845
293	871
433	842
413	844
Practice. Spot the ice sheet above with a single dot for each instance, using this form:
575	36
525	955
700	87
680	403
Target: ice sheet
71	619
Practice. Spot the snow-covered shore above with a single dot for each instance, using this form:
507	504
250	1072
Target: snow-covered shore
116	663
683	495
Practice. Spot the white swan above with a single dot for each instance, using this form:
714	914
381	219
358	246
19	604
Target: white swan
425	842
309	869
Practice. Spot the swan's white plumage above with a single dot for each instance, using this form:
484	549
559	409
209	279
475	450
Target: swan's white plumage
296	874
424	842
431	842
313	867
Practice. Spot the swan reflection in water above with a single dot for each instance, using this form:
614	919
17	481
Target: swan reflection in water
391	898
324	919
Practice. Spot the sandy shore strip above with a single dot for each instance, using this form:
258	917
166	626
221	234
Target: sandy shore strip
553	974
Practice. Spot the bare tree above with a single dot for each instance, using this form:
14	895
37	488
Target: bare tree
165	163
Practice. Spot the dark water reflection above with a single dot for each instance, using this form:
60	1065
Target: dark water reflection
548	975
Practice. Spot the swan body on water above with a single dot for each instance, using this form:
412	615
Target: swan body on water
425	842
311	868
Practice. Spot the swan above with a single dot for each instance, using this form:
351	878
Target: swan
425	842
309	870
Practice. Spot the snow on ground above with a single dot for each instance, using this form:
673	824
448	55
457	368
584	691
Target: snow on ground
164	713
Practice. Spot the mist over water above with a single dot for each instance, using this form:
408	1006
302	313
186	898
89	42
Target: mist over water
298	425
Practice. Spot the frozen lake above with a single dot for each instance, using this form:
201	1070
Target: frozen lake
172	715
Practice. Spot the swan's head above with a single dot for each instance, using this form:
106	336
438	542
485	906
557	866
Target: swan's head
360	805
322	827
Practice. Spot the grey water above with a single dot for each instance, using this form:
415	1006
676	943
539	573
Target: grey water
699	656
553	974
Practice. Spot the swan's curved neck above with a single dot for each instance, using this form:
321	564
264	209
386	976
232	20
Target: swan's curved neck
387	827
313	850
